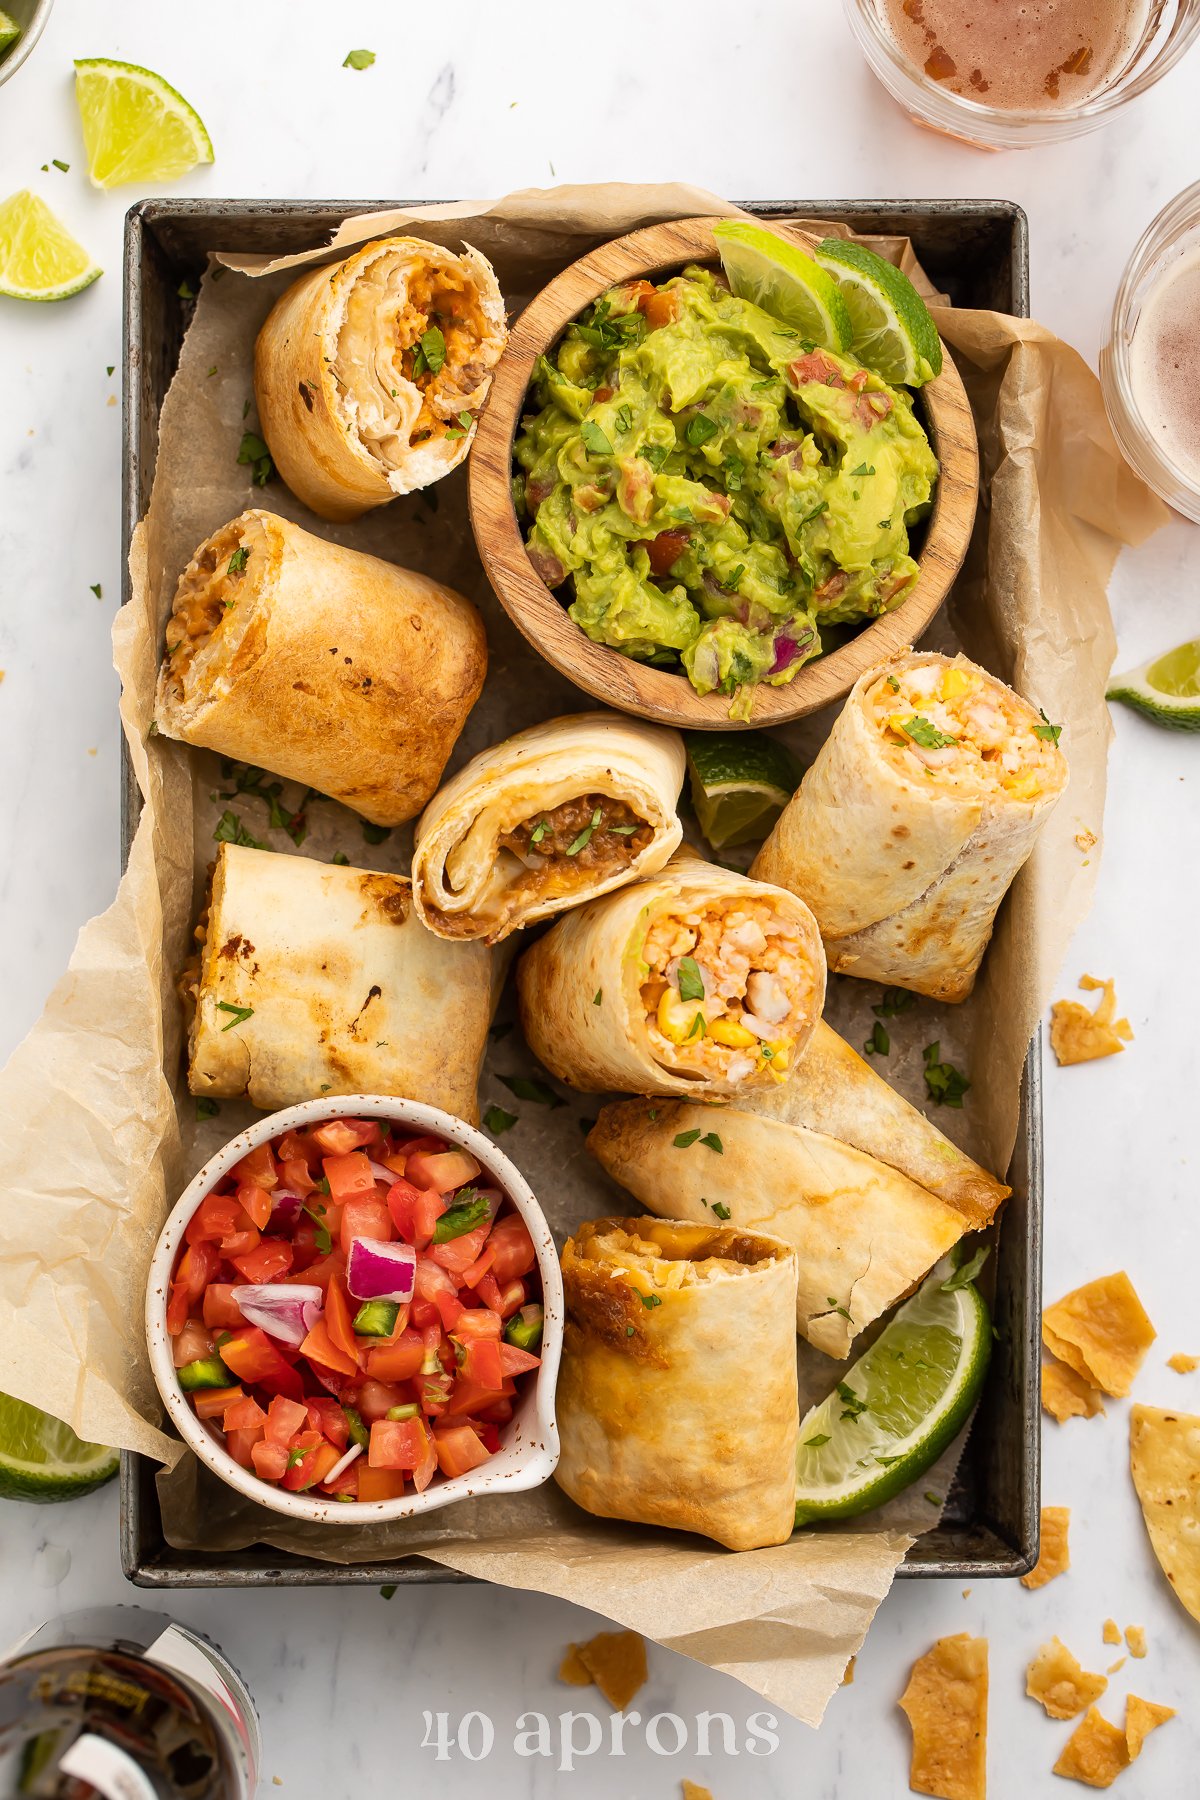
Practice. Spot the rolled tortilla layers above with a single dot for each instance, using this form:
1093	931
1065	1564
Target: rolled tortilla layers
551	817
321	664
677	1399
907	830
369	376
695	980
317	979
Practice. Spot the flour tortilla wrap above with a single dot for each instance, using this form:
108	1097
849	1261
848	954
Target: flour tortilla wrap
606	1001
321	664
862	1232
904	845
352	411
681	1412
515	837
318	979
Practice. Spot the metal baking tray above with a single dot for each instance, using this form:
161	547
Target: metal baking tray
977	251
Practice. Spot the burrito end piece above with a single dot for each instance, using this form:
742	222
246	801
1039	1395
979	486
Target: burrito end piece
369	376
677	1398
321	664
314	979
910	825
556	815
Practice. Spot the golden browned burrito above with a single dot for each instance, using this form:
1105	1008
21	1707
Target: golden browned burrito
907	830
551	817
677	1400
321	664
695	980
315	979
369	375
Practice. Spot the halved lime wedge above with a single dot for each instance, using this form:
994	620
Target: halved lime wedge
1165	689
39	259
780	278
42	1459
10	31
740	784
136	127
898	1406
893	331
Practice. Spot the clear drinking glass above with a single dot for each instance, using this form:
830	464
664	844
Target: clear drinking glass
1170	28
1172	235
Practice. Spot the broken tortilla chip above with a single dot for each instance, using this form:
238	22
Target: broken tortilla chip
615	1661
848	1677
1164	1457
1101	1331
1114	1666
1055	1679
1141	1718
1183	1365
1095	1753
946	1704
693	1791
1112	1632
1079	1035
1054	1557
573	1669
1135	1638
1066	1395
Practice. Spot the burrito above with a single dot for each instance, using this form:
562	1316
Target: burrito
317	979
369	376
862	1232
695	980
321	664
553	816
677	1400
907	830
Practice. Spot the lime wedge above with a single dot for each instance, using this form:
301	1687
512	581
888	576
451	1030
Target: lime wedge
136	127
10	31
898	1406
893	331
42	1459
780	278
740	784
39	259
1165	689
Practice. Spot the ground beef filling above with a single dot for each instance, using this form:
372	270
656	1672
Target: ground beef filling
612	834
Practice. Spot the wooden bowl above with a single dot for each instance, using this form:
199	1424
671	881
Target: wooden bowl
616	679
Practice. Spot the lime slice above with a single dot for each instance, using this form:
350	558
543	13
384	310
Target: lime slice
893	331
740	784
42	1459
780	278
1165	689
10	31
39	259
898	1406
136	127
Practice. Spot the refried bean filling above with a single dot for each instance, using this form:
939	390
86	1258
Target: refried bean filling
593	834
205	594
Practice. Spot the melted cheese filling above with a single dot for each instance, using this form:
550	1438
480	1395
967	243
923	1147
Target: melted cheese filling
221	574
957	727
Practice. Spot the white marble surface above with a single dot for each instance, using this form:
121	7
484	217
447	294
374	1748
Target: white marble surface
767	99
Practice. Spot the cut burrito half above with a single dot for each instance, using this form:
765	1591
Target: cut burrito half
369	375
677	1397
862	1232
317	979
551	817
921	806
321	664
695	980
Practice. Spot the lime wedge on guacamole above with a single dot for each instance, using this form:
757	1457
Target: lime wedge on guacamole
896	1409
42	1459
893	331
740	784
10	31
780	278
136	126
1165	689
39	259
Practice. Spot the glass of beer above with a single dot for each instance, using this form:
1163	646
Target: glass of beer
1150	367
1002	75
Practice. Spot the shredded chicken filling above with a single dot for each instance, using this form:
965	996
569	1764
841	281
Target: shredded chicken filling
208	590
625	1255
955	727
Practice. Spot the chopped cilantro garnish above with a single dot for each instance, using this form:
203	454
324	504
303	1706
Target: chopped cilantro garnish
686	1138
186	291
698	1028
96	590
238	560
734	469
585	836
341	859
527	1087
629	1331
893	684
539	831
650	1300
853	1405
655	454
834	1306
375	834
922	732
389	1587
862	469
594	439
253	452
496	1120
943	1081
598	997
691	982
361	59
624	416
1051	733
721	1210
230	830
295	1457
879	1043
699	429
711	1141
966	1271
814	1443
240	1013
933	1499
464	1216
894	1000
206	1108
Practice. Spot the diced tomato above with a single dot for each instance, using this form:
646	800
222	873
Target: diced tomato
215	1218
346	1482
660	307
410	1146
399	1361
266	1262
300	1460
477	1322
489	1292
468	1397
393	1161
241	1445
515	1254
258	1362
458	1450
377	1398
517	1362
397	1444
365	1218
317	1467
471	1277
284	1419
192	1342
458	1255
498	1414
512	1298
337	1137
244	1413
329	1418
339	1319
481	1362
258	1167
270	1460
348	1175
415	1211
433	1283
246	1237
426	1469
221	1310
489	1437
210	1403
320	1347
293	1146
433	1393
197	1266
319	1273
378	1484
442	1170
666	549
255	1202
177	1310
297	1177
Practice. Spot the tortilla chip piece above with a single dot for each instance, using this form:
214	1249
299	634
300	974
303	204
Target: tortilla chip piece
616	1662
1101	1331
1164	1457
1183	1365
693	1791
1114	1666
1135	1638
1055	1679
1066	1395
1095	1753
573	1669
1077	1035
1111	1632
1054	1557
946	1705
1141	1718
848	1677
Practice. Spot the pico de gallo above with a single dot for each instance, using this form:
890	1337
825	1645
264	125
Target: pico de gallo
353	1310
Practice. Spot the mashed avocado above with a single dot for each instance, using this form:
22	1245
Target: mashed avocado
718	491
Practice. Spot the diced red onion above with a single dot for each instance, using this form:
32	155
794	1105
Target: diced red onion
786	650
388	1176
286	1310
381	1271
285	1209
339	1468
